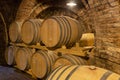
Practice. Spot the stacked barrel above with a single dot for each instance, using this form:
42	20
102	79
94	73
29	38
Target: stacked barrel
58	31
15	32
53	33
10	54
30	31
42	62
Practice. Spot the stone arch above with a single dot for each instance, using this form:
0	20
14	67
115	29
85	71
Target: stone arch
33	9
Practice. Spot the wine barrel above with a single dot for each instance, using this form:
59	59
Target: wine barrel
87	39
15	31
77	72
57	31
69	60
42	62
30	31
10	54
23	58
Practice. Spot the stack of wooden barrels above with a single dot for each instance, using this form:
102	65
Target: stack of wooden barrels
27	32
53	33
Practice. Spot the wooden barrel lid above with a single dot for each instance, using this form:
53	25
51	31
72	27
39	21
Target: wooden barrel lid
14	31
39	65
31	31
21	59
28	32
87	39
9	55
50	31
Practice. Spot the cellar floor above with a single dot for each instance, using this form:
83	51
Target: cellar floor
7	73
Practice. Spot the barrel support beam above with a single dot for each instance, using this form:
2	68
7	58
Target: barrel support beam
37	46
78	51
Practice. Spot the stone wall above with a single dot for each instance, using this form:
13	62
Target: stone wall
104	17
8	9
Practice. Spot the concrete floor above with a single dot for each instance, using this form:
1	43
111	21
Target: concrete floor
7	73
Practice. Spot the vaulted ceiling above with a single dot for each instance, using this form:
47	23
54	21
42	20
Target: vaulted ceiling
80	3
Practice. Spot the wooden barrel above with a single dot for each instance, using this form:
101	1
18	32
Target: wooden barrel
42	62
10	55
82	73
30	31
15	32
57	31
23	58
69	60
87	39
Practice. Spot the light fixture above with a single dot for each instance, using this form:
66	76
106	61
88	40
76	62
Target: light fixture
71	4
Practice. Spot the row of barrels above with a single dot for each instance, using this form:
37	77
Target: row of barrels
41	62
53	32
47	65
27	32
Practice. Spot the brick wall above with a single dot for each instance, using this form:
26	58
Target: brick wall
100	16
104	17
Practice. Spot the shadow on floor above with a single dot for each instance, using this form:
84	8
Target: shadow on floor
7	73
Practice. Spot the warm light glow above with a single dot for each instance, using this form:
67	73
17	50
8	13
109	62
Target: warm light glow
71	4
